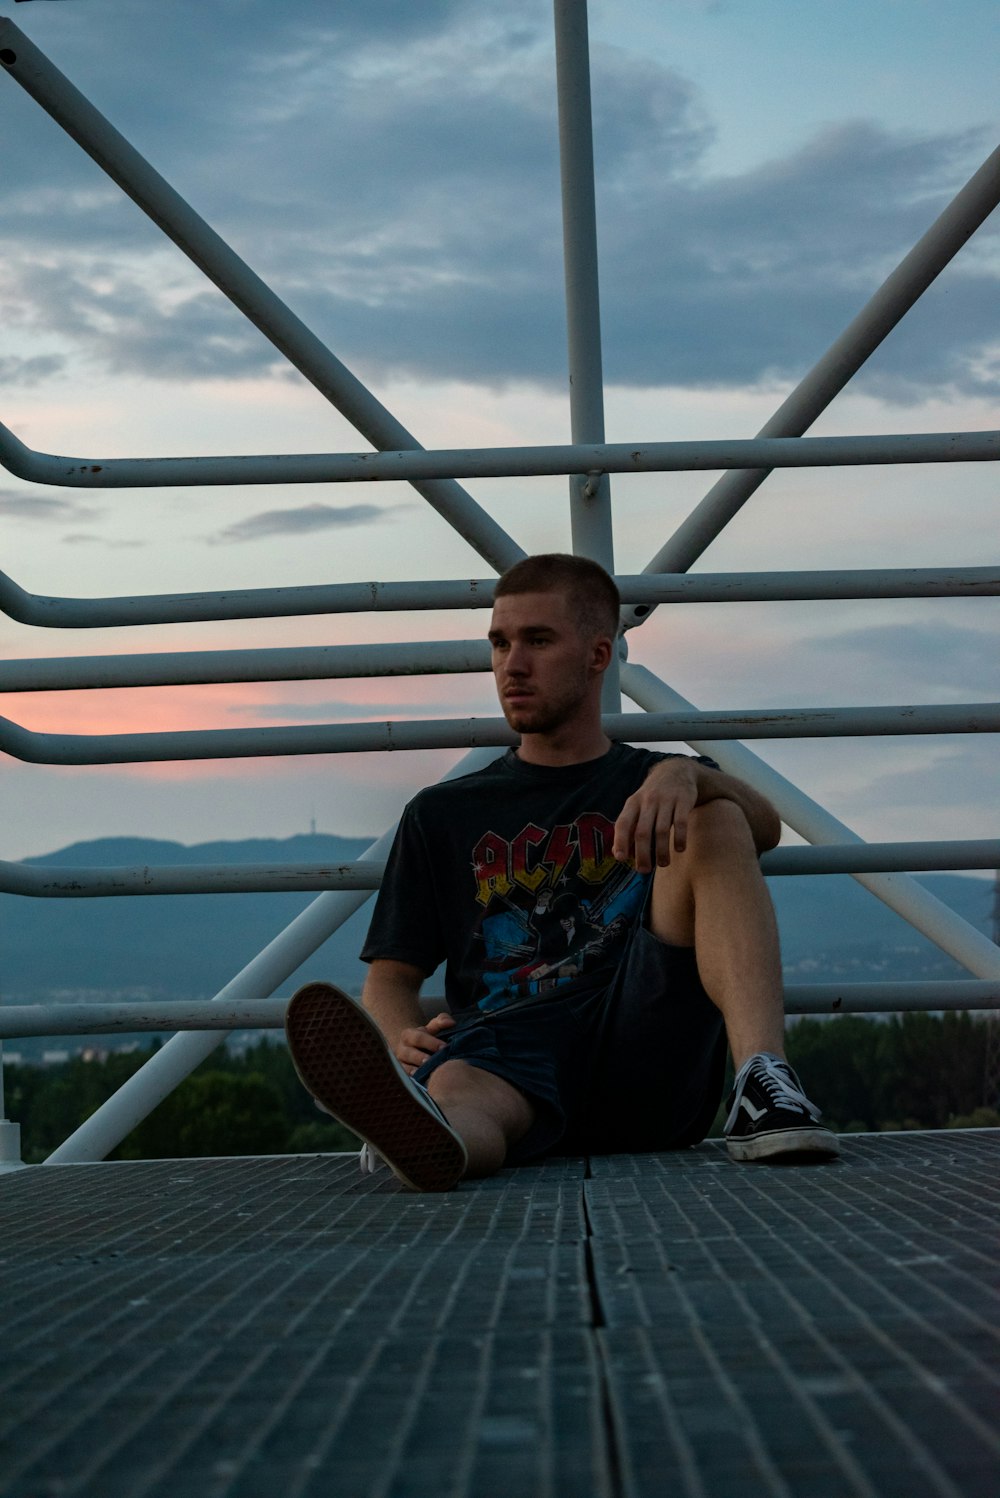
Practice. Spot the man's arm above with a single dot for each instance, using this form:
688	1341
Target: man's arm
391	996
665	800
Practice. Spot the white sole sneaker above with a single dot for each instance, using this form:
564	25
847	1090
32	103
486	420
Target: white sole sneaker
343	1059
798	1144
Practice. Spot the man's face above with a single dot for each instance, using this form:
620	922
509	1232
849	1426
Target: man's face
543	666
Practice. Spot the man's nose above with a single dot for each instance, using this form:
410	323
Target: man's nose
517	660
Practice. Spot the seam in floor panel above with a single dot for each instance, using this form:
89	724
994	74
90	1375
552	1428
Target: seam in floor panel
616	1471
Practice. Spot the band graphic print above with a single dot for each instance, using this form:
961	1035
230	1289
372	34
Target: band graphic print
555	903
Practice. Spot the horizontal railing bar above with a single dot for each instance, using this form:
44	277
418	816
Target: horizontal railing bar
201	667
792	587
497	462
20	1021
888	998
883	858
375	597
462	733
54	881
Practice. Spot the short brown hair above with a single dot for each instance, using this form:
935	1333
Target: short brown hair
590	592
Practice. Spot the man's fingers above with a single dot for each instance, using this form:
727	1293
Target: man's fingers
625	831
415	1045
440	1022
652	839
680	831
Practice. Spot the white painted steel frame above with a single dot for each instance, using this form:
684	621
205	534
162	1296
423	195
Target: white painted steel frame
149	191
434	476
19	1021
596	459
463	733
374	597
55	881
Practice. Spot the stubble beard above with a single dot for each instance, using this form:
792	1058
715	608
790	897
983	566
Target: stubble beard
542	717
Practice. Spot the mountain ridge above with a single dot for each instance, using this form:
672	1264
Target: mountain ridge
188	946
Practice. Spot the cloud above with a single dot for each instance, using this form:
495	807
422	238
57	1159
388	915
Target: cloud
418	230
963	778
78	538
22	373
924	653
306	518
24	505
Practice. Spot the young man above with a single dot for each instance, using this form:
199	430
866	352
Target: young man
605	926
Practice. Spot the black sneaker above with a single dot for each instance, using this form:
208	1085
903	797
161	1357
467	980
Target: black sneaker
343	1059
770	1116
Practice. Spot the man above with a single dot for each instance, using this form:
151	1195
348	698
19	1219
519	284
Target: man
605	926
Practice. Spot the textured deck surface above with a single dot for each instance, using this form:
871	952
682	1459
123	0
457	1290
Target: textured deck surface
654	1325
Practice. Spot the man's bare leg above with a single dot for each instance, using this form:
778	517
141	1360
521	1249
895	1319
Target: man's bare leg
488	1113
713	897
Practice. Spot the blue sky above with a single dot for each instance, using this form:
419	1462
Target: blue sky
391	169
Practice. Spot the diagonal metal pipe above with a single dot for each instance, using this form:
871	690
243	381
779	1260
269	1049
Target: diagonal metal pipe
842	360
39	77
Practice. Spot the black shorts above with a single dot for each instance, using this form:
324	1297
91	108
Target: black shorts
637	1066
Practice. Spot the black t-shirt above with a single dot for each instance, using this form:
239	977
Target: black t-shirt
507	875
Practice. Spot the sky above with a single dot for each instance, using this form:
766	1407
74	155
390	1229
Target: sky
391	170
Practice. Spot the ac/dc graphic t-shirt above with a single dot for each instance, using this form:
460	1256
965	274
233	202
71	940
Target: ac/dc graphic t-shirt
508	876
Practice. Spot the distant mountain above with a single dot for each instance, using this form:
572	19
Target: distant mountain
189	946
164	946
833	928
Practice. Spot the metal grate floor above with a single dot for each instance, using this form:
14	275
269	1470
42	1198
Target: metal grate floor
631	1326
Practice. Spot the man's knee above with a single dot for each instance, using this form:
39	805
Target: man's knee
459	1084
718	829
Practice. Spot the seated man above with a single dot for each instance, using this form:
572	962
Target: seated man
605	925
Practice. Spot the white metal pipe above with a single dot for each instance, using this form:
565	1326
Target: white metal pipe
415	465
590	495
889	998
240	603
137	1098
198	667
29	66
461	733
63	882
798	811
19	1021
642	590
56	881
868	858
897	294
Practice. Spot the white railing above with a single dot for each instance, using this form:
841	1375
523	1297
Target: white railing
587	461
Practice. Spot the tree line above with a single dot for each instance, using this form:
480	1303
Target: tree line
914	1071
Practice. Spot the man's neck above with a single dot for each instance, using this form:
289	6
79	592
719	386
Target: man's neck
558	749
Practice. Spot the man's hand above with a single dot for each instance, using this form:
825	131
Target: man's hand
418	1042
662	804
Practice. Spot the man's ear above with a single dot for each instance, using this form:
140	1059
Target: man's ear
600	657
